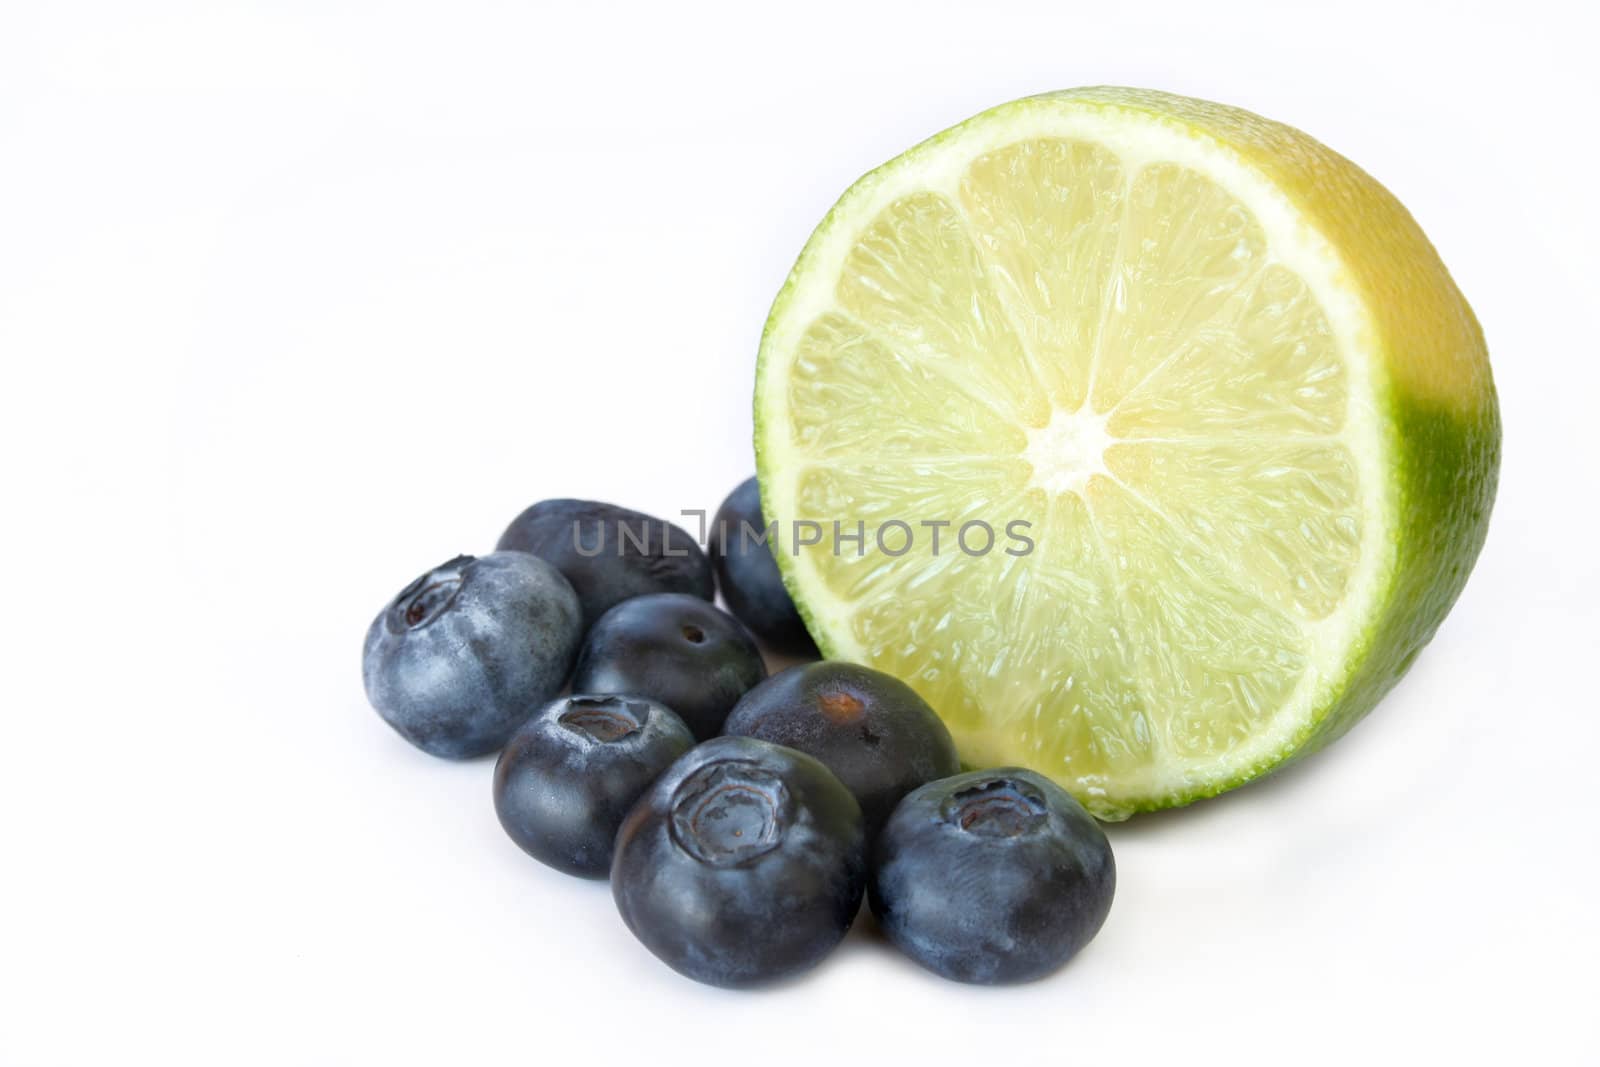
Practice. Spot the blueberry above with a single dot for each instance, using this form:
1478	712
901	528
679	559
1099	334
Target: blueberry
744	863
569	775
749	576
867	727
609	553
678	649
993	876
466	652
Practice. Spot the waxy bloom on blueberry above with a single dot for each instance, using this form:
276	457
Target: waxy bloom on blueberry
744	863
696	659
568	776
609	553
870	729
741	552
466	652
993	876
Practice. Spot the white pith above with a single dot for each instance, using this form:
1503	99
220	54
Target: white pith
1069	450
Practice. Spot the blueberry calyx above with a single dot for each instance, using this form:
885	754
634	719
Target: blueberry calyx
604	719
730	812
996	807
428	597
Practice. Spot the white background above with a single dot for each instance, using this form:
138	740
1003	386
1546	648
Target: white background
299	299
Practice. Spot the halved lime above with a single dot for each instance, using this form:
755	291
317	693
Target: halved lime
1228	418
